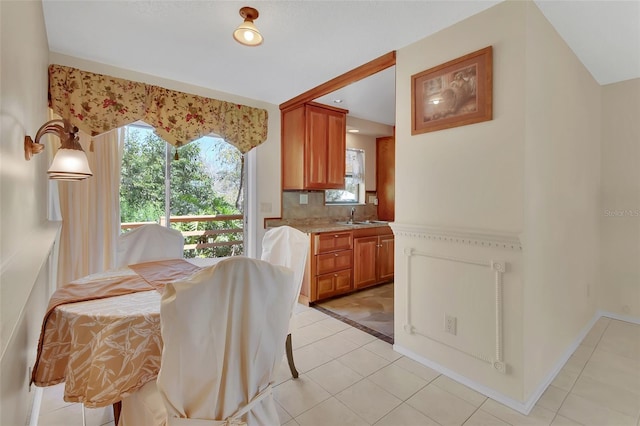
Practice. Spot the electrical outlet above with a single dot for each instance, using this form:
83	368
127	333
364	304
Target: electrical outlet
304	198
450	323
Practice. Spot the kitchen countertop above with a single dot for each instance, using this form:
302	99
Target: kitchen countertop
334	226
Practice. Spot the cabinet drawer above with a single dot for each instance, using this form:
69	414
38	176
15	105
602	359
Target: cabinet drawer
329	285
333	241
331	262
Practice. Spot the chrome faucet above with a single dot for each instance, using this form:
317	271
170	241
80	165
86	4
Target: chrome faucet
353	212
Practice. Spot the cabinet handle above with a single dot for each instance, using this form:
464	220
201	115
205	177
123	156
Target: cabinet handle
335	236
336	254
335	275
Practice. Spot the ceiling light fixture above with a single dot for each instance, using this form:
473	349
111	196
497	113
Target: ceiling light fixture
247	33
70	162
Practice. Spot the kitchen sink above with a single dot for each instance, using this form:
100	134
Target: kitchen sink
362	222
368	222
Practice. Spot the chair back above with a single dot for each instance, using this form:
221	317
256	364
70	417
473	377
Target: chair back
289	247
224	330
148	243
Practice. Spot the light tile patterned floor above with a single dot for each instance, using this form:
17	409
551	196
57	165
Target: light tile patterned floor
350	378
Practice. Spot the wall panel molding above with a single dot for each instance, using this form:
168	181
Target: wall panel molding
498	267
480	238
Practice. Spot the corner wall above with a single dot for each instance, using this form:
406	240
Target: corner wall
618	291
459	213
498	222
561	211
26	237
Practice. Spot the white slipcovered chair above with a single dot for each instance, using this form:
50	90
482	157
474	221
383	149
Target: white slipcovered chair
289	247
223	330
148	243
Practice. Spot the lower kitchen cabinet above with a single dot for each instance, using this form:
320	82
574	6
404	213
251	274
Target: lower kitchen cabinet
331	264
344	261
372	259
333	284
386	258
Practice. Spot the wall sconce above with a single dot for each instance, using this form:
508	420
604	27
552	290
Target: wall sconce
247	33
70	162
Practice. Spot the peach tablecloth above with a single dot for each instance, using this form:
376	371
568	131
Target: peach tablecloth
104	348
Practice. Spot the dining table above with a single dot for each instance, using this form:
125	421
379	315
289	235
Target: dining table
101	333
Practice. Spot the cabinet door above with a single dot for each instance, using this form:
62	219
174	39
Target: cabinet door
365	251
316	148
292	148
325	148
336	150
329	285
385	258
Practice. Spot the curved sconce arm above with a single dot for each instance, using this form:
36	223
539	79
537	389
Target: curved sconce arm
70	162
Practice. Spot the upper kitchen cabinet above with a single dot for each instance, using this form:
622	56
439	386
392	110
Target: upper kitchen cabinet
313	147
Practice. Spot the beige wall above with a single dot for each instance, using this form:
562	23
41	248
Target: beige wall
267	192
530	177
26	237
561	209
619	287
459	193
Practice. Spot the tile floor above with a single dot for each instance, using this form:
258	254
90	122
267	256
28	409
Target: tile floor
349	377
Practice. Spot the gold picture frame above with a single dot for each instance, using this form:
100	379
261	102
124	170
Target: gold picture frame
456	93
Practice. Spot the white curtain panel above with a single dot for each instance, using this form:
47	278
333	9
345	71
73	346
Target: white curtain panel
90	211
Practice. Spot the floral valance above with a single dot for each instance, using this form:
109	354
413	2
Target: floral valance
97	103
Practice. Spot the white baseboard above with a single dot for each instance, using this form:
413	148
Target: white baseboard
35	407
496	396
526	406
626	318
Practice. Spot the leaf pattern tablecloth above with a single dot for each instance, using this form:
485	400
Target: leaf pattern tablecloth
106	348
110	347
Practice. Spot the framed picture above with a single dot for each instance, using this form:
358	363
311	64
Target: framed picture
453	94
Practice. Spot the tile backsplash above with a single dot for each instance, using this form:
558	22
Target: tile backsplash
316	211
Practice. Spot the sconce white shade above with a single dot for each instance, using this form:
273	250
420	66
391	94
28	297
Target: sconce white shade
69	164
246	33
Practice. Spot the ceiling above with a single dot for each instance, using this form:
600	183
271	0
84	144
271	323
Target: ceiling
310	42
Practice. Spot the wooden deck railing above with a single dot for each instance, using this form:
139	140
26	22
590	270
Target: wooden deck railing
225	239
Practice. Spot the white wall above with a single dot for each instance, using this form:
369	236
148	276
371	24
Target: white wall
619	287
26	237
267	192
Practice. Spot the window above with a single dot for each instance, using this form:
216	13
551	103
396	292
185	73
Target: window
202	194
354	188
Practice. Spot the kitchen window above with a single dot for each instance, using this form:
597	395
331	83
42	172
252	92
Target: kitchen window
354	188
